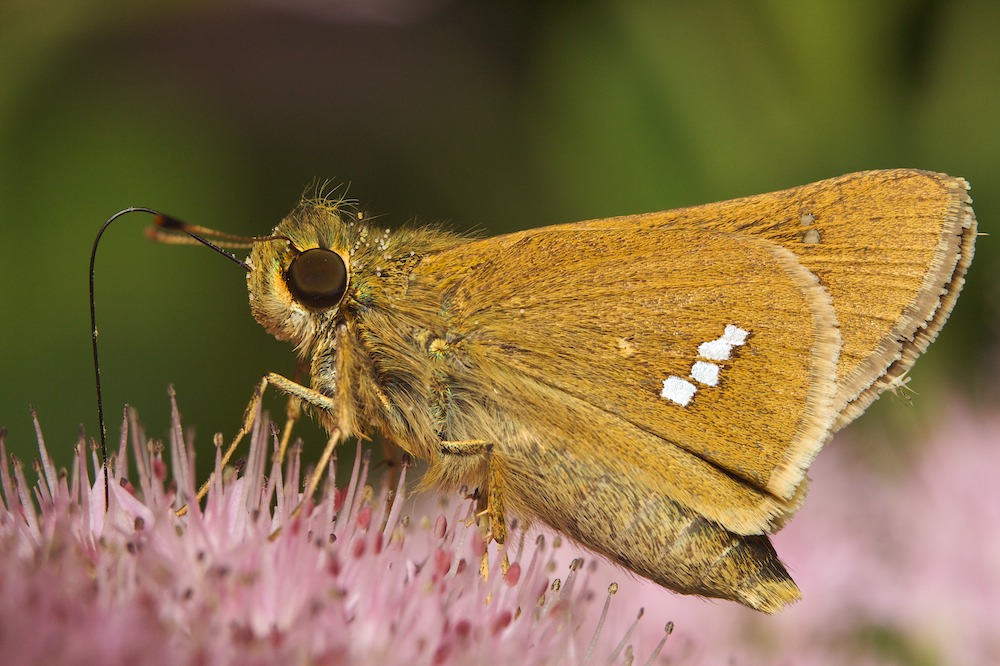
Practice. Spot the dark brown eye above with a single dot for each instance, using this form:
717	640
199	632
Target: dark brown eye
317	278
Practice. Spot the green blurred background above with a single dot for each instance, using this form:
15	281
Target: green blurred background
491	115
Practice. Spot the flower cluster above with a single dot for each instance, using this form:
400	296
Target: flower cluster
900	567
251	577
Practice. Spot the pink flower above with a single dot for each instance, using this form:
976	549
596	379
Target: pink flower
899	567
353	579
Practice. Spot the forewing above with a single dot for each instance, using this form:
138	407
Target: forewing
890	247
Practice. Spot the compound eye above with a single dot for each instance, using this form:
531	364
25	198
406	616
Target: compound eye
317	278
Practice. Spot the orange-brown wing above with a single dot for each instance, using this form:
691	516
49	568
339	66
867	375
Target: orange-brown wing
891	248
704	362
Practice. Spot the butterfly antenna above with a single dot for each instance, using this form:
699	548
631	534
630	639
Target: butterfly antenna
170	225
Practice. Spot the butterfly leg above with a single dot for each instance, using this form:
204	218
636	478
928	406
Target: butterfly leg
495	481
313	398
301	394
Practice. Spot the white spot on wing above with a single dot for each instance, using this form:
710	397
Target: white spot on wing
716	350
734	335
705	373
678	390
